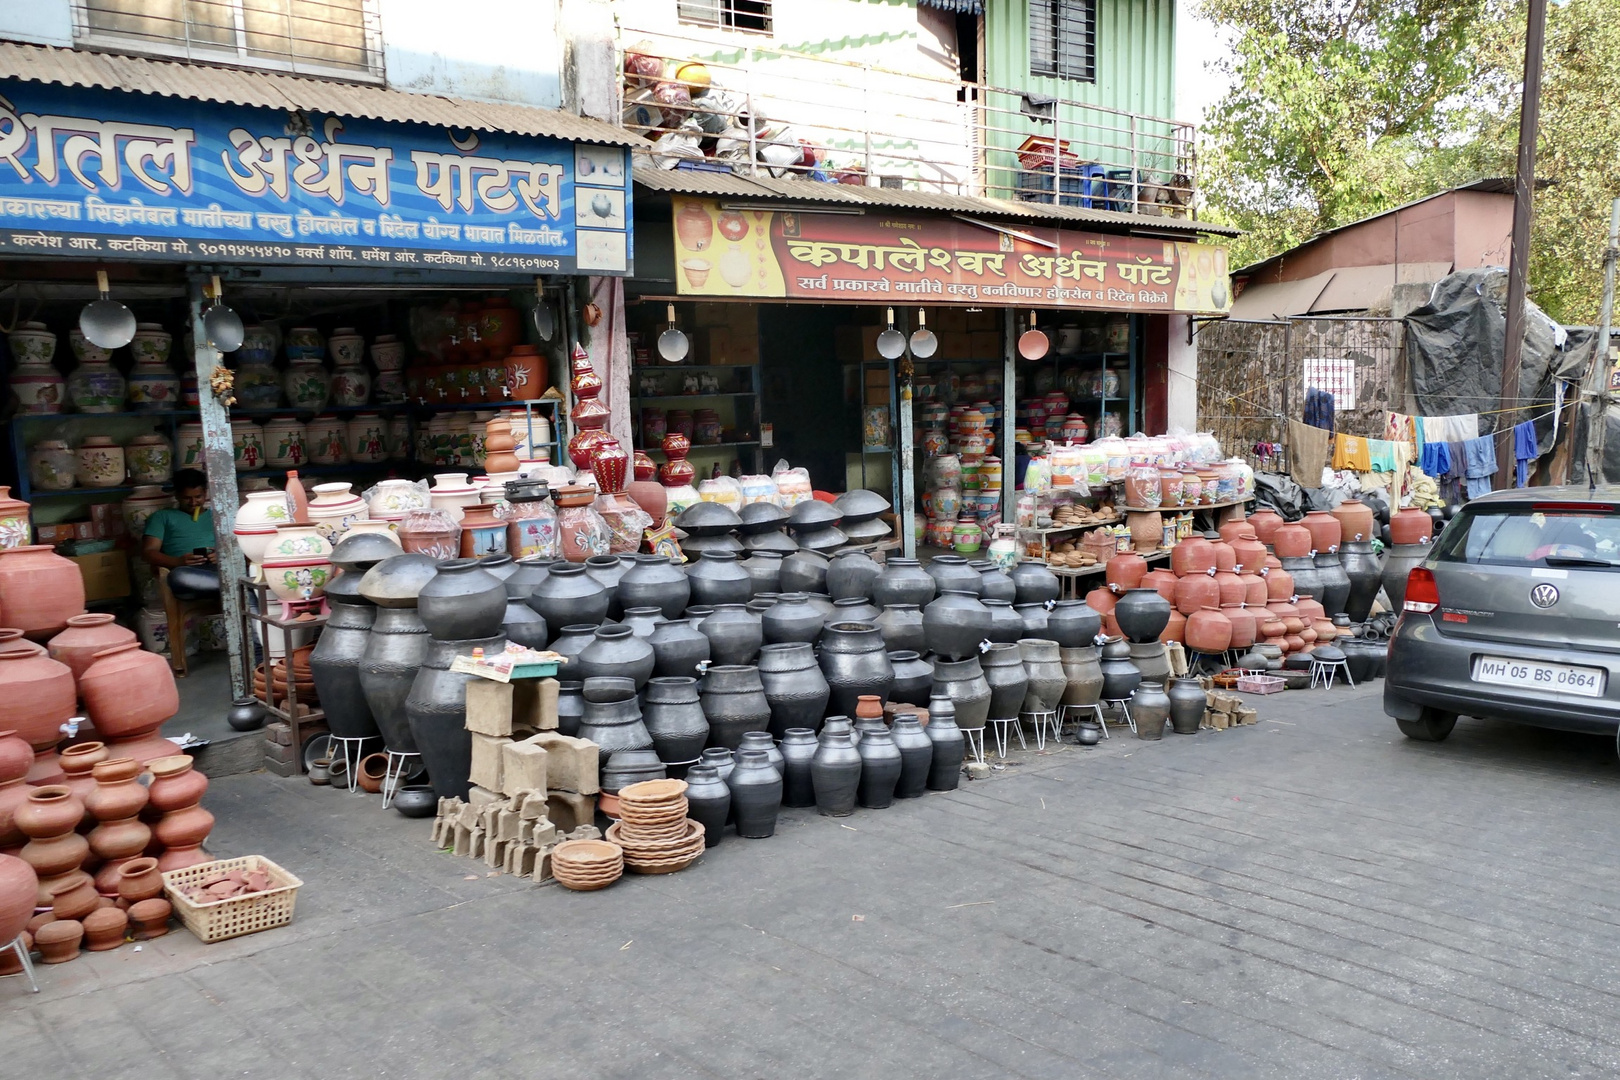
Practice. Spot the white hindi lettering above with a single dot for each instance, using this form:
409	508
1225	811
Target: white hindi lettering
156	157
465	180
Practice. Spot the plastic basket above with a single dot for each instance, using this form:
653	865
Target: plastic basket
1260	684
239	915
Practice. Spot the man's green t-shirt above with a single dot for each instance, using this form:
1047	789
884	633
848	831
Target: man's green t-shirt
180	535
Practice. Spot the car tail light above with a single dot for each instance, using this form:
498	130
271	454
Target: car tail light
1422	594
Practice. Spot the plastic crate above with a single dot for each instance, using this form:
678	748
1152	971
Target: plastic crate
239	915
1260	684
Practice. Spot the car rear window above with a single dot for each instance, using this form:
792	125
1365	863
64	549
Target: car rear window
1545	535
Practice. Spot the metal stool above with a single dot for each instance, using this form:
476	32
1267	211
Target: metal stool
1001	729
394	774
1323	671
1124	706
1041	720
351	758
974	737
1094	708
22	955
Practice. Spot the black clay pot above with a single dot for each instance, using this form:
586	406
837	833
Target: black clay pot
1307	579
655	581
1034	583
764	570
436	710
734	702
708	801
913	678
903	581
851	574
1187	702
798	751
1365	571
956	622
994	582
1083	671
612	718
395	646
358	552
835	770
902	628
335	660
246	714
1142	614
395	581
1009	683
949	747
735	634
762	603
962	683
761	741
792	618
824	604
522	624
462	601
606	570
1399	561
1335	582
720	759
1120	676
1006	625
674	718
1073	624
854	661
626	767
616	652
642	621
1151	659
880	768
571	641
570	706
717	578
1043	664
1034	616
855	609
916	756
804	571
526	574
569	596
1150	708
678	648
951	573
795	688
501	565
756	795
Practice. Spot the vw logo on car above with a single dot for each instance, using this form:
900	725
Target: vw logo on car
1544	595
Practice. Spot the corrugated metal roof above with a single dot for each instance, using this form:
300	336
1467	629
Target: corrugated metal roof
729	185
235	86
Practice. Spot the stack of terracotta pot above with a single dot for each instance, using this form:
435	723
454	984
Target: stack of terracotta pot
1298	622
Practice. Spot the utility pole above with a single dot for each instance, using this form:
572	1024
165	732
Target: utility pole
1595	393
1523	189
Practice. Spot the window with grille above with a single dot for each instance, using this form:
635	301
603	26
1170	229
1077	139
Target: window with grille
750	15
1063	39
306	36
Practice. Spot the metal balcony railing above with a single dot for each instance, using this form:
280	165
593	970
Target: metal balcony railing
777	113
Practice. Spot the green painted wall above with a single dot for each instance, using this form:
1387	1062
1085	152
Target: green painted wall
1136	51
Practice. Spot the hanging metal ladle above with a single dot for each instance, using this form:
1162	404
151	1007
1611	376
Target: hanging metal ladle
923	342
673	344
891	344
222	326
106	323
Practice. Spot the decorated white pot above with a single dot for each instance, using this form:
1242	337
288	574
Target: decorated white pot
307	385
85	351
326	441
247	443
51	465
391	499
451	492
100	464
305	343
348	348
334	508
284	442
351	386
150	458
388	388
380	527
297	562
388	353
264	509
188	446
399	438
151	342
368	438
153	386
95	386
258	346
39	387
141	504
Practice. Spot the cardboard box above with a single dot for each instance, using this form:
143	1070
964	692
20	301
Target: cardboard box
86	530
106	575
59	533
715	314
984	345
712	345
109	519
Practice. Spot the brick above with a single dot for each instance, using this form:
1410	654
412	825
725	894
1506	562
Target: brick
281	768
530	804
507	825
569	810
479	796
571	764
534	704
486	761
279	753
523	766
489	708
278	732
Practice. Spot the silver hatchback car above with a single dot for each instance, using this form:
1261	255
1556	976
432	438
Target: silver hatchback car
1515	615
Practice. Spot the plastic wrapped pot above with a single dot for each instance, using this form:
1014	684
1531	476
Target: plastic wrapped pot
855	663
1004	671
1142	614
795	688
1033	583
1073	624
792	618
956	622
880	768
462	601
798	751
735	634
522	624
717	578
678	648
708	801
734	702
764	570
1187	702
994	582
902	628
804	571
335	660
395	645
1120	676
569	596
756	794
962	683
903	581
835	770
655	581
1150	708
1335	582
436	710
916	756
615	651
913	678
606	570
951	573
949	747
1006	625
851	574
570	706
612	719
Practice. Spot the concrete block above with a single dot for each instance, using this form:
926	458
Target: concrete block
281	768
532	805
489	708
523	766
569	810
278	732
280	753
480	796
571	764
507	825
542	863
486	760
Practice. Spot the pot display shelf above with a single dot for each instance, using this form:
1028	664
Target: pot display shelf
257	624
1072	579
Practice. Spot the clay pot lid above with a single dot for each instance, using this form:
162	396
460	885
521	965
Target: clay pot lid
649	792
584	853
814	514
707	519
363	550
859	504
762	517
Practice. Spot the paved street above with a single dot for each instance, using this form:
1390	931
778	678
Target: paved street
1311	897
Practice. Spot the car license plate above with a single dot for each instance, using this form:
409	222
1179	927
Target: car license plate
1534	675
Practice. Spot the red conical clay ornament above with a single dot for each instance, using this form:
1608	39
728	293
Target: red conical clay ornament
589	416
676	470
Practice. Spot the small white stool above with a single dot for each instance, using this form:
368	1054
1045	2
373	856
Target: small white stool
974	738
1124	707
394	774
27	963
1323	671
1003	734
351	751
1041	720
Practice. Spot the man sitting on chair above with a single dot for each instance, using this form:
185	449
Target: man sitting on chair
182	540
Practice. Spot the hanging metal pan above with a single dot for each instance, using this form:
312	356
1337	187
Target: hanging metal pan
891	344
223	328
1033	344
673	344
923	342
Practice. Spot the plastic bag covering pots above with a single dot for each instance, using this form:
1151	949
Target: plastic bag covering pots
1187	703
764	570
835	770
902	628
569	596
655	581
903	581
335	663
462	601
855	663
1335	582
18	888
756	794
1009	683
791	619
964	684
708	802
1120	676
804	571
881	764
1034	583
734	702
716	578
436	710
612	719
1365	571
678	648
916	756
85	636
1150	708
674	719
1073	624
852	574
39	590
913	678
951	573
956	622
735	634
795	688
395	582
129	693
798	751
616	652
39	697
394	650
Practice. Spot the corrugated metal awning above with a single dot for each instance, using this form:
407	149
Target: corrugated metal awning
730	185
962	7
236	86
1348	288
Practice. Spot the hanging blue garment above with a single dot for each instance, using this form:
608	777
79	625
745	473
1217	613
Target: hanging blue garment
1524	452
1435	460
1479	465
1319	409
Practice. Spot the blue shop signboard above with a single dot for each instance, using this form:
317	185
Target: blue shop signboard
113	176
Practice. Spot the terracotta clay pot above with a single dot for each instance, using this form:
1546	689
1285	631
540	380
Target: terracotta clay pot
1162	581
175	790
138	880
1230	586
1324	529
39	698
105	928
1196	591
1176	628
128	693
1356	521
1264	522
85	636
1225	557
77	761
1194	555
1279	585
1291	541
1208	631
1125	571
18	888
120	836
150	918
39	590
175	783
74	897
48	818
1254	590
58	941
1244	628
1410	526
1250	552
16	758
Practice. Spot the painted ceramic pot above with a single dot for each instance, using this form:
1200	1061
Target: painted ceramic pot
100	463
51	465
150	459
153	385
97	387
247	445
38	385
307	385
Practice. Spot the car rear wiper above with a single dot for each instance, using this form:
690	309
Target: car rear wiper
1577	560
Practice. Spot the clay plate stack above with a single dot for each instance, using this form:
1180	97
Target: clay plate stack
653	829
586	865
